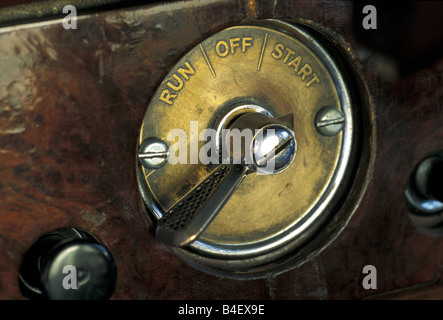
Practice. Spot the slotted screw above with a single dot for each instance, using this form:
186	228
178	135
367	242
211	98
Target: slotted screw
329	121
153	153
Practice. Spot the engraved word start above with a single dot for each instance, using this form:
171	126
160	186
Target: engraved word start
295	61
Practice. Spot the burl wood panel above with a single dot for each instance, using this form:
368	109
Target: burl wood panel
72	101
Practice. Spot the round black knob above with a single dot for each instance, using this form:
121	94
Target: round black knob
67	264
429	178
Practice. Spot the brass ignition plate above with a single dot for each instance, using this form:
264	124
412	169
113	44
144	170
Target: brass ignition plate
282	69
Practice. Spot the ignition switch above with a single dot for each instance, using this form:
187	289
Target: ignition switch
247	146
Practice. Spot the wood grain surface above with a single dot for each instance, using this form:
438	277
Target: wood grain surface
72	101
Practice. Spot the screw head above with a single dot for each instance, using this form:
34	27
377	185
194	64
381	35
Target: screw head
329	121
153	153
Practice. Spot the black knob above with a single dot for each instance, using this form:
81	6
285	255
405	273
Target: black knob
67	264
429	178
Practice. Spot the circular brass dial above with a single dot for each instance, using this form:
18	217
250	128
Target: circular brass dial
283	70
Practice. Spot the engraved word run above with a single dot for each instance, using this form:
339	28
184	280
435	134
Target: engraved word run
232	149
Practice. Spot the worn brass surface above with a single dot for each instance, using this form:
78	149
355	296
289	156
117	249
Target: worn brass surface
259	65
